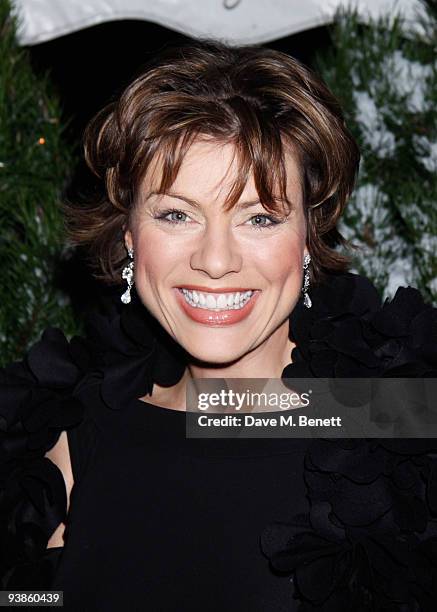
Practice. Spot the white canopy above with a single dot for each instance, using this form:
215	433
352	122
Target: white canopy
234	21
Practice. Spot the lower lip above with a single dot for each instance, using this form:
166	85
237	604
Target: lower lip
217	318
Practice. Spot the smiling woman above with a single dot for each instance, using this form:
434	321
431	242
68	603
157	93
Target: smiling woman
186	268
224	172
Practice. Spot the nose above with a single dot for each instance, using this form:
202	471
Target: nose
216	252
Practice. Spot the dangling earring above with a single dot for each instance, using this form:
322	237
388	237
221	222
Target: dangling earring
127	274
306	281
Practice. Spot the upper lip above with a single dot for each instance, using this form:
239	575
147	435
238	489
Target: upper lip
217	290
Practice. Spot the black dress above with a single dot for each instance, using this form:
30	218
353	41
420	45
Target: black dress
161	522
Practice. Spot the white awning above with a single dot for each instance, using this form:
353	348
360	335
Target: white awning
234	21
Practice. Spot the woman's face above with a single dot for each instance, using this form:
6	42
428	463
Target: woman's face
194	267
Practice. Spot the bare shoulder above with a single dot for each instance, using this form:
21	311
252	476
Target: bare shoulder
59	454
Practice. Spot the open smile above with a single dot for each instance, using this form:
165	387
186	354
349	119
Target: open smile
217	307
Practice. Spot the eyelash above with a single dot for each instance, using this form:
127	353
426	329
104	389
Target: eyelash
161	217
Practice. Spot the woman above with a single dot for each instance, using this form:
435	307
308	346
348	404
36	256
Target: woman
225	171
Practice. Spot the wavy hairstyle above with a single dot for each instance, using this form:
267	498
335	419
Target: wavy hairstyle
260	100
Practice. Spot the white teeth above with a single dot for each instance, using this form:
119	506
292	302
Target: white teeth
222	301
210	302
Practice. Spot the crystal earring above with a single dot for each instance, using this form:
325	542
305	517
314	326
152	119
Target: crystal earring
127	275
306	281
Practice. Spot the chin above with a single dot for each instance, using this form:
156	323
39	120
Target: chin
216	356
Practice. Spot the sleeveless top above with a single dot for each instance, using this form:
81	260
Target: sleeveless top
161	522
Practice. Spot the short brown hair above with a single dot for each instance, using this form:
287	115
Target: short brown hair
254	97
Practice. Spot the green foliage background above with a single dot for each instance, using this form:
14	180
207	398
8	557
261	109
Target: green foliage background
386	78
32	176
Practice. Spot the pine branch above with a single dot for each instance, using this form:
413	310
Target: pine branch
35	163
386	79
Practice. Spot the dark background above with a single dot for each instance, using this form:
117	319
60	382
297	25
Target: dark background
90	66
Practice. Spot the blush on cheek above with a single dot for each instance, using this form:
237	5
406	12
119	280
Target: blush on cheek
157	246
282	263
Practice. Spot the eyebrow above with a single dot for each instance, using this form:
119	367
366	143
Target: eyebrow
195	204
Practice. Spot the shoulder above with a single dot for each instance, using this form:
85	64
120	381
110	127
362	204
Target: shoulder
59	454
37	403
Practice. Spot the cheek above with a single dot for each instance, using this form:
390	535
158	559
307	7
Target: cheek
155	253
280	260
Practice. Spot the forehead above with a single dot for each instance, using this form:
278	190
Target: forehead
209	170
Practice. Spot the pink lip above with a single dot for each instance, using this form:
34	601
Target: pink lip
216	319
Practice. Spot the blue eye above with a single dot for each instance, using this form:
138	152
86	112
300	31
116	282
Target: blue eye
162	216
177	213
273	221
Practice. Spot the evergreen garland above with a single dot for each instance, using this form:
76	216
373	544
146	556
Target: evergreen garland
34	165
385	75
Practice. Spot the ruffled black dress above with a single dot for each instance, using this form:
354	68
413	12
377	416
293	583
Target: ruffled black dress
161	522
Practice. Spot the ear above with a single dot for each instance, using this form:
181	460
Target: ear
128	239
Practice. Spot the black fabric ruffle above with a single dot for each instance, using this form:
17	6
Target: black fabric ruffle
36	404
347	333
369	541
135	352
